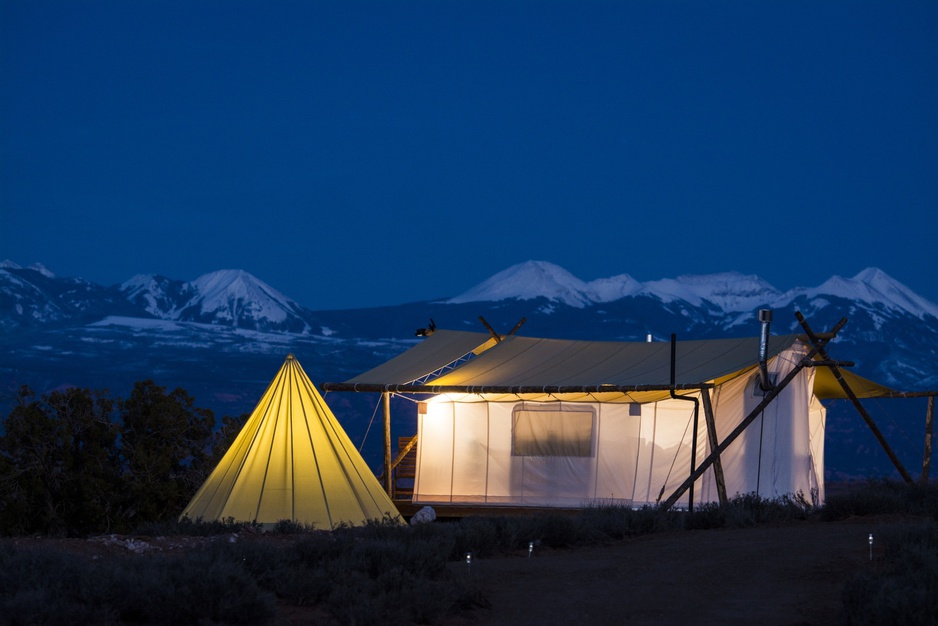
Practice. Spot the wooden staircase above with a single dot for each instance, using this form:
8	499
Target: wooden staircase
404	470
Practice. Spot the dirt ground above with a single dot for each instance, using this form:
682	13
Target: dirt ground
782	575
768	576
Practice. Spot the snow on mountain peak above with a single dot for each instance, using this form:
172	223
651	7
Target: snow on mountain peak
233	295
38	267
874	286
730	291
529	280
614	288
159	295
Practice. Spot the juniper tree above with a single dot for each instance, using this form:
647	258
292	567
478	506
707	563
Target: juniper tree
165	445
60	471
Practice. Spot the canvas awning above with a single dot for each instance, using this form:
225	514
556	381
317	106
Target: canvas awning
534	368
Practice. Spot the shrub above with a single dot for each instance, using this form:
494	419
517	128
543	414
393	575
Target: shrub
905	591
43	587
195	528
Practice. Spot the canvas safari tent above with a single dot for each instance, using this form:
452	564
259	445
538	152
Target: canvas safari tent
520	421
292	461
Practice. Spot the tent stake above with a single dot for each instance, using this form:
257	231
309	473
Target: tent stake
853	398
929	426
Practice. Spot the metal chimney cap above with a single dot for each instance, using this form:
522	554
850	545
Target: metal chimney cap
765	315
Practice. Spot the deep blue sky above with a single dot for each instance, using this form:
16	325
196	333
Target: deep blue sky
368	153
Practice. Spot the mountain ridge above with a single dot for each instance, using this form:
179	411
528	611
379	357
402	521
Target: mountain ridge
731	292
34	297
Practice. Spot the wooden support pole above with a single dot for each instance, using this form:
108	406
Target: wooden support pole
388	481
714	444
853	398
517	326
491	330
403	452
929	430
667	504
766	400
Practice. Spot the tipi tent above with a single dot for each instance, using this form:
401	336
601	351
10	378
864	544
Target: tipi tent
292	461
546	422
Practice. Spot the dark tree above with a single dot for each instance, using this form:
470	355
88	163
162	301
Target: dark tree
165	446
225	436
60	467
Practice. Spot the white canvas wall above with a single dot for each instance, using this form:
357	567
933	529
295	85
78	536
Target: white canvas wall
465	452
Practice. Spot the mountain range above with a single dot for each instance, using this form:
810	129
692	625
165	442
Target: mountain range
223	335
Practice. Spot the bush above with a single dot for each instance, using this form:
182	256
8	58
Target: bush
195	528
747	510
883	497
45	587
905	591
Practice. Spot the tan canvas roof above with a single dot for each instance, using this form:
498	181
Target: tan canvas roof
436	351
534	362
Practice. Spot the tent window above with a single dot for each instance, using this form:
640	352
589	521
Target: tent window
558	431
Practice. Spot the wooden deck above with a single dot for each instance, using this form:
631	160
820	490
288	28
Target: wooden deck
407	508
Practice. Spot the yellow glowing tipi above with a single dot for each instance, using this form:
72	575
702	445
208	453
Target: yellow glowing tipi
292	461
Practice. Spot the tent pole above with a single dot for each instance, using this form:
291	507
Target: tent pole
766	400
491	330
693	445
388	481
853	398
929	429
714	443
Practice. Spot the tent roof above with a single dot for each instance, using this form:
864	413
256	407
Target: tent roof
292	461
431	354
528	362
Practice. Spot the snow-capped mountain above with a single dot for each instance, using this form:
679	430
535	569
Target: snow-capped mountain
729	292
34	296
159	296
871	286
535	279
226	297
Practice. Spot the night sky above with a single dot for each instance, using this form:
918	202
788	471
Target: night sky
356	154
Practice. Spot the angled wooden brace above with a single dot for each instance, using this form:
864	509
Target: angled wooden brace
815	340
749	419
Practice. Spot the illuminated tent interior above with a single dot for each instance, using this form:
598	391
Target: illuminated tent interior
292	461
544	422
